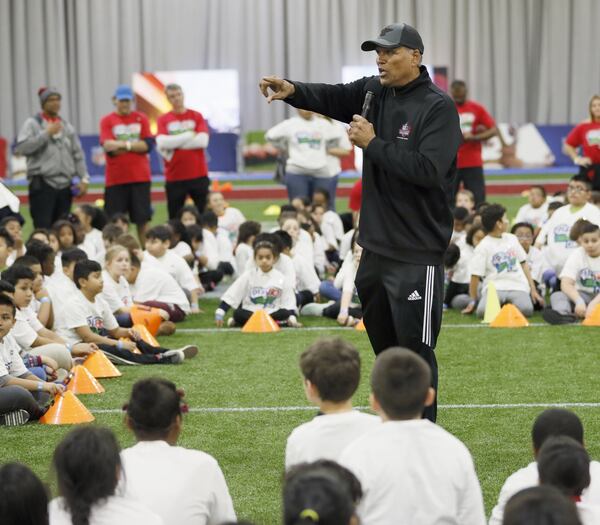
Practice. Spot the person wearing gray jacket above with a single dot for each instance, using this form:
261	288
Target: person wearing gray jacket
54	158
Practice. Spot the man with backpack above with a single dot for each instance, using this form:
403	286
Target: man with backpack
54	159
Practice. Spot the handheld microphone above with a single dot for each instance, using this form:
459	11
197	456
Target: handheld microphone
367	104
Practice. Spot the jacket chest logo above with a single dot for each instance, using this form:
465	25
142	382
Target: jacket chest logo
404	131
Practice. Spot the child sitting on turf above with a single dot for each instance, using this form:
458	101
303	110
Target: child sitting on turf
262	287
283	263
154	413
331	374
541	505
88	318
22	394
499	258
457	260
243	249
346	310
303	242
69	235
229	218
307	280
553	238
579	280
465	199
535	212
158	242
180	242
224	244
551	422
564	463
40	307
461	219
110	233
538	265
189	215
410	469
332	227
88	467
92	220
6	247
13	225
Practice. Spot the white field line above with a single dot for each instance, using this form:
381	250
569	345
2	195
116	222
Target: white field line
474	406
328	328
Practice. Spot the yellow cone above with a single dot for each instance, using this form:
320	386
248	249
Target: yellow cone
492	304
594	318
272	210
360	326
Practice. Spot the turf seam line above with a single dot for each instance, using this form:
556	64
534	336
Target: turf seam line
200	410
328	328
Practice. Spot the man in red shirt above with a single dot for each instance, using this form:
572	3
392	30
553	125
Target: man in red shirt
477	125
126	139
181	140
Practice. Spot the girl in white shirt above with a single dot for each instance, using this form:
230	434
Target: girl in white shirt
92	221
230	219
154	413
243	251
180	242
189	215
262	287
88	467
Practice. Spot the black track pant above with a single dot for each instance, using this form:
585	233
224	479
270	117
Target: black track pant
150	355
241	316
402	306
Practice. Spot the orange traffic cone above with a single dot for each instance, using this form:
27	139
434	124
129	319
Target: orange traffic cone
99	365
594	318
226	187
260	322
215	185
509	317
67	410
144	315
83	382
145	334
360	326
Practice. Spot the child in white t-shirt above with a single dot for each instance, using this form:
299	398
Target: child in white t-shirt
154	413
535	212
411	470
538	265
461	217
88	318
580	278
499	258
243	251
262	287
331	374
180	243
551	422
92	222
332	226
224	245
158	242
554	239
465	199
93	499
331	232
230	219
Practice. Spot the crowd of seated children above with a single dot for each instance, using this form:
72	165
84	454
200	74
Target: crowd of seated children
261	286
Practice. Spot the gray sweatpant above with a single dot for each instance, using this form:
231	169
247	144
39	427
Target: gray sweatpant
563	305
522	300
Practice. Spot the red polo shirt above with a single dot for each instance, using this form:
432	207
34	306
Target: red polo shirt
473	117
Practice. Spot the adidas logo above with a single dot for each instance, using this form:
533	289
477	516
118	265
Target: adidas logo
414	296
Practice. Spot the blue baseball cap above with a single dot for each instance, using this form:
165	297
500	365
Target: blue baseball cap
123	92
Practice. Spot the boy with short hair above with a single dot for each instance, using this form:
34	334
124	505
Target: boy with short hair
41	304
22	394
88	318
158	243
564	463
535	212
331	374
226	263
499	258
555	232
579	280
411	470
332	227
551	422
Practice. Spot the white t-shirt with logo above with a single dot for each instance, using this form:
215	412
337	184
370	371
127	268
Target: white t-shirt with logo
230	221
79	312
555	233
499	259
10	358
534	216
584	270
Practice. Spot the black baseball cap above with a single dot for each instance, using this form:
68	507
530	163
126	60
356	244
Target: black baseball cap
395	35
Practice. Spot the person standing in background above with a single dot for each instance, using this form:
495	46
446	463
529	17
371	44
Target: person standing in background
54	159
587	136
182	140
477	126
126	139
338	147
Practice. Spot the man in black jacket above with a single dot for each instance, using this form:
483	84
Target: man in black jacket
409	136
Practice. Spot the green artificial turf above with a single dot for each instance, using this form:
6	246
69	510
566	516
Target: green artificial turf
479	365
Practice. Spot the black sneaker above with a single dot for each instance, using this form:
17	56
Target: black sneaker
118	360
554	317
15	418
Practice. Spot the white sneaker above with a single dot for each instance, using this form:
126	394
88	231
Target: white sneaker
231	322
189	351
175	357
14	418
313	309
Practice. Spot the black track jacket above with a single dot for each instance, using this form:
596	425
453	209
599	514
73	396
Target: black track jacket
408	167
